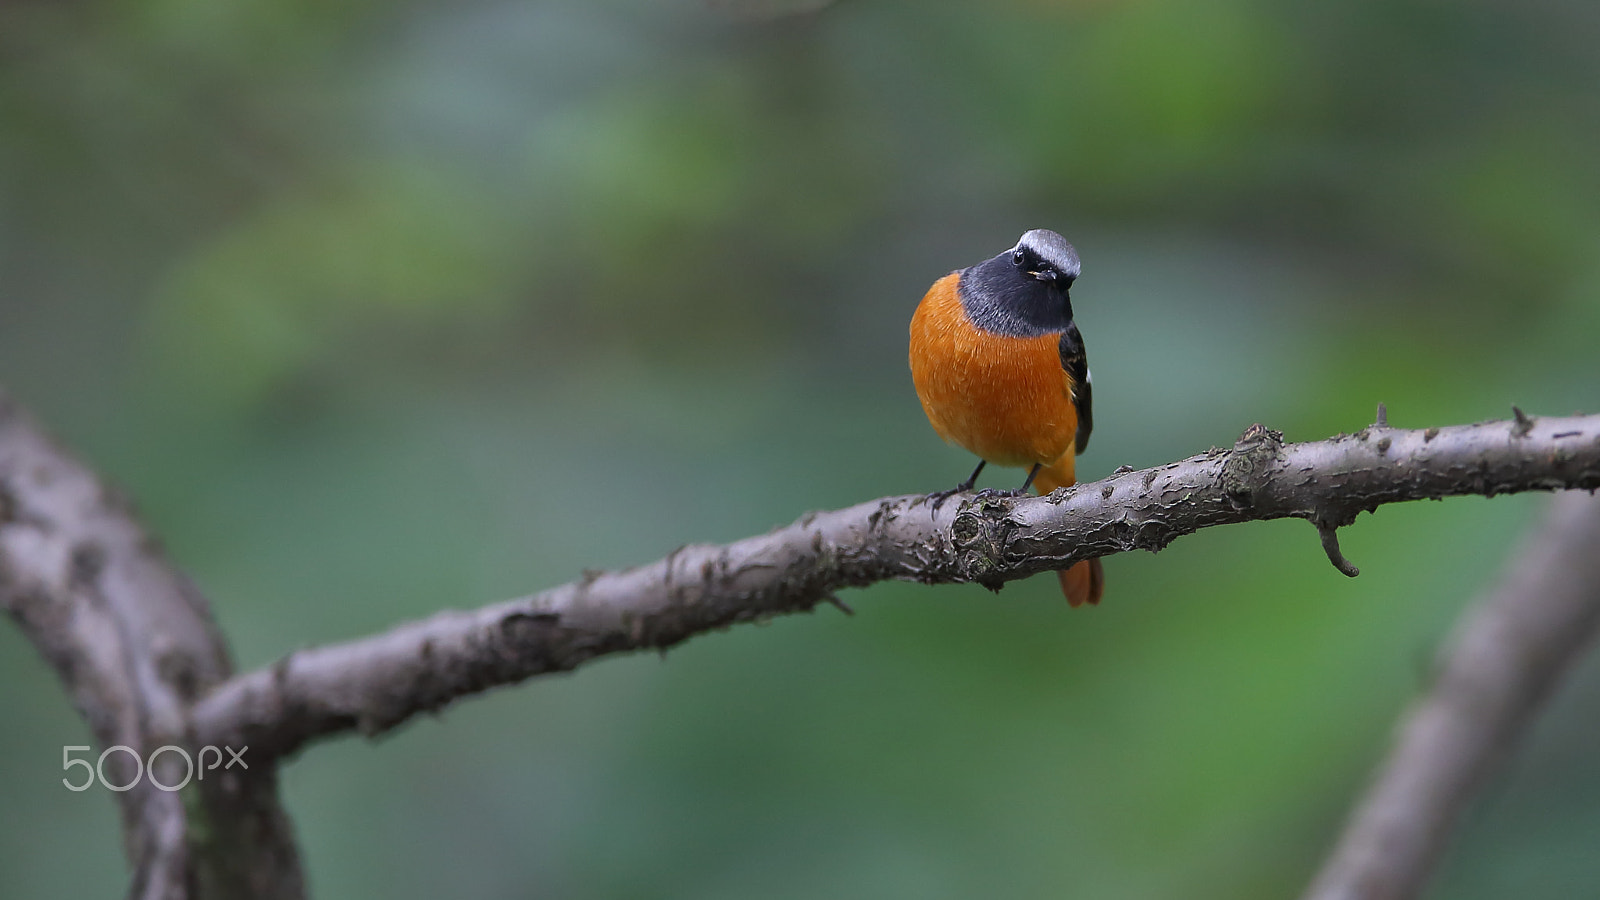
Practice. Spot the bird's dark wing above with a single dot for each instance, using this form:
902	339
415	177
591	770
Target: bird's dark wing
1074	360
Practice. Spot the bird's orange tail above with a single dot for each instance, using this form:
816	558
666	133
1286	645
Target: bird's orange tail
1085	582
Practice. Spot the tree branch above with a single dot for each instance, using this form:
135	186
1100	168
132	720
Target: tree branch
1505	660
134	644
375	683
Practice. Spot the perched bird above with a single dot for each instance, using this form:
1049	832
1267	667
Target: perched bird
1000	369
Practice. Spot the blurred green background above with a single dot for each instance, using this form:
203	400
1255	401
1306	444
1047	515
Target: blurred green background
383	307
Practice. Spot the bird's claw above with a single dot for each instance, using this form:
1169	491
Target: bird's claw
937	498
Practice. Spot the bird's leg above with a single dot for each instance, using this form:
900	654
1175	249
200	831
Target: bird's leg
1032	474
973	478
1027	483
939	497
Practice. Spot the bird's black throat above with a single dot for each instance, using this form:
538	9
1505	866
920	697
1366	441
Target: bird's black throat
1001	299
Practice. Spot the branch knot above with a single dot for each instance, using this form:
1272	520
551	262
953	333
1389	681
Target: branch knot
981	532
1250	463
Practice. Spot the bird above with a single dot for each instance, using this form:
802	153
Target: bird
1000	368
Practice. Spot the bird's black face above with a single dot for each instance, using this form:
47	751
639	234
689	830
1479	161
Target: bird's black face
1024	291
1032	265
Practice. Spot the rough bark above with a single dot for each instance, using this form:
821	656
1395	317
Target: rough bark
1508	654
134	644
375	683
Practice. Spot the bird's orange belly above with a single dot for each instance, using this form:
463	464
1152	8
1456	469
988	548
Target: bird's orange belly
1006	399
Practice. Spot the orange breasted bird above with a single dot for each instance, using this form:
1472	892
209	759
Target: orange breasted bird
1000	369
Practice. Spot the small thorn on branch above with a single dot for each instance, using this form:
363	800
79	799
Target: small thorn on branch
1330	546
1524	423
843	606
1382	420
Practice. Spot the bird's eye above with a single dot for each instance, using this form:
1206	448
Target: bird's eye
1018	256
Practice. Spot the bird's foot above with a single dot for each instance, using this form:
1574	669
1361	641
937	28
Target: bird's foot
937	498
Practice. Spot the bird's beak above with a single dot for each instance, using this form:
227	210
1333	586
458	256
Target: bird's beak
1046	275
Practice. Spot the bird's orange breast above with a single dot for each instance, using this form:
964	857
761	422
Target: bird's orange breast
1006	399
